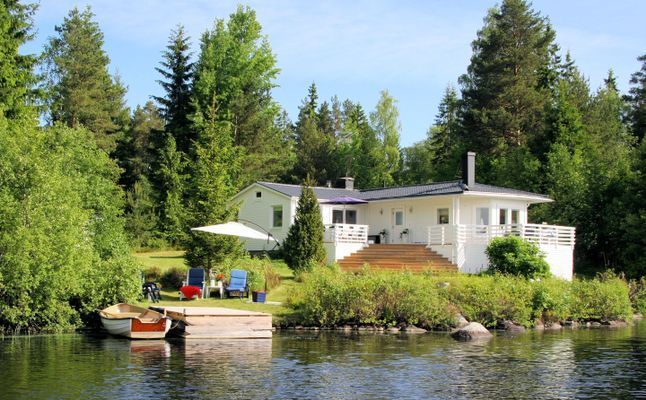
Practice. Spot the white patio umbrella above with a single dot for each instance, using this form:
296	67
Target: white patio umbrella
235	229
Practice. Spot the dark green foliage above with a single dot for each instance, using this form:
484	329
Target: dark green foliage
637	101
141	219
136	150
63	246
504	94
177	71
173	278
172	183
515	256
16	70
315	145
303	248
80	90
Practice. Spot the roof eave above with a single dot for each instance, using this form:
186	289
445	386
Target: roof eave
535	199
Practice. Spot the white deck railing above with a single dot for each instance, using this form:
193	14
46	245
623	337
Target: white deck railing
540	234
346	233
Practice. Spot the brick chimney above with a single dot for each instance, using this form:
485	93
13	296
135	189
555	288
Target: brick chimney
469	168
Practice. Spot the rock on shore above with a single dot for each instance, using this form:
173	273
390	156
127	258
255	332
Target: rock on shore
472	331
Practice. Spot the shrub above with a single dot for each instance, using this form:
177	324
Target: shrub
637	293
552	300
491	299
173	278
601	300
330	297
152	274
515	256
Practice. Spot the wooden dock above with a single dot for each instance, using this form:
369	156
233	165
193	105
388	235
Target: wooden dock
217	323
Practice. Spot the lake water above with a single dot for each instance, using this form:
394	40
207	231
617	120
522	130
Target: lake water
585	363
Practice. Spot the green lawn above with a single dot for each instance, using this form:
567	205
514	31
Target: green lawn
168	259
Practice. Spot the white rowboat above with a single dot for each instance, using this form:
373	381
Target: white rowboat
134	322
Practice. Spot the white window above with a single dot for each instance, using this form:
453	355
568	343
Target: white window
277	216
399	218
482	216
442	216
350	216
338	216
503	216
515	217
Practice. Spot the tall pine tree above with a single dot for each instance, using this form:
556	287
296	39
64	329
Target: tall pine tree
16	70
505	91
175	105
80	89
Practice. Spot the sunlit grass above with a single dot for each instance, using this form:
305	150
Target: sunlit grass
168	259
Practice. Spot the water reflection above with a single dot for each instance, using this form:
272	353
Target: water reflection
568	364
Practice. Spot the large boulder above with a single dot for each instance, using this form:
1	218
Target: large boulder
473	331
460	321
512	327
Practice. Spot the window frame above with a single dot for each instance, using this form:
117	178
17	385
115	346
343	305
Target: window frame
274	220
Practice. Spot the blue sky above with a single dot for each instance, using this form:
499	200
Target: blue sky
414	49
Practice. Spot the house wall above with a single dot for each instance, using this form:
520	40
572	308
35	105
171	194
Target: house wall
260	211
468	205
418	215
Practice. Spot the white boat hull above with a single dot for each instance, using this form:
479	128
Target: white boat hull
135	322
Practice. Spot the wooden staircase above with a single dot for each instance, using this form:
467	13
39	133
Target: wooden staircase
411	257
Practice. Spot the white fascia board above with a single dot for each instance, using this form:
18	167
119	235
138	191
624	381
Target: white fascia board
530	199
256	184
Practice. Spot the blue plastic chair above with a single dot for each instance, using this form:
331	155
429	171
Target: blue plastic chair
238	283
195	277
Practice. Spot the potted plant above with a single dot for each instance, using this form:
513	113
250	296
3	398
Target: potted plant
383	235
258	287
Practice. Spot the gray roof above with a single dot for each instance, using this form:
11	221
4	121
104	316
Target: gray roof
430	189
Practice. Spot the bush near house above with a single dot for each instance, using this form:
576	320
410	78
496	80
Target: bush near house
261	274
515	256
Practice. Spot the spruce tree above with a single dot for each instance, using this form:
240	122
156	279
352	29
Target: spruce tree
80	90
315	149
136	150
505	90
16	70
443	137
303	248
175	105
637	101
172	178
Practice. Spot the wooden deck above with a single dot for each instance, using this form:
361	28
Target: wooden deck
412	257
218	323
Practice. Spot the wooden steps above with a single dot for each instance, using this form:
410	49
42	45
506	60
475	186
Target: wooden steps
411	257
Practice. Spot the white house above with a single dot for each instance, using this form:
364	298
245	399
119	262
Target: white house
455	219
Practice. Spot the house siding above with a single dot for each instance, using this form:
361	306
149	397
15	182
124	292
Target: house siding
260	211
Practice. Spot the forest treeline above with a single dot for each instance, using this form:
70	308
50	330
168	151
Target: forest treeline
81	174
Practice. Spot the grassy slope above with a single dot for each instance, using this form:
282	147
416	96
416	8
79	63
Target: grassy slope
168	259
